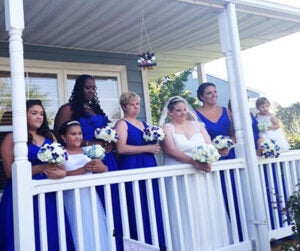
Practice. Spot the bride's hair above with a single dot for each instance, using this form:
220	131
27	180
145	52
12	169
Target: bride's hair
169	106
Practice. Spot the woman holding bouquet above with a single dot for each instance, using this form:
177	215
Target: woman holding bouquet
135	152
184	133
38	136
80	163
217	119
84	107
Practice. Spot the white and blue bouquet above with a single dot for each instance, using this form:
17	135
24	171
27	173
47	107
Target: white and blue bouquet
153	134
263	126
270	149
94	151
205	153
106	134
223	142
53	153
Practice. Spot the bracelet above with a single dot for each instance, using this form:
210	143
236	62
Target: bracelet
40	169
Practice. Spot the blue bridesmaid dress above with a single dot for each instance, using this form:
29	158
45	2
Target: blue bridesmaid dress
222	127
141	160
88	124
6	213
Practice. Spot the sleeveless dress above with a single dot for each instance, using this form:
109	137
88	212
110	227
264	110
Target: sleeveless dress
74	162
141	160
6	213
221	127
201	227
88	125
276	135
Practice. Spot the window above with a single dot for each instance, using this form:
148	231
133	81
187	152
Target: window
53	82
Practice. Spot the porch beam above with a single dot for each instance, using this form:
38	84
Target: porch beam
21	168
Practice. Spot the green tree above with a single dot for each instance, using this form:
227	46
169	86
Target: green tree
166	87
290	120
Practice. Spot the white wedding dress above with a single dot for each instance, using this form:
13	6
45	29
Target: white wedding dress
209	227
74	162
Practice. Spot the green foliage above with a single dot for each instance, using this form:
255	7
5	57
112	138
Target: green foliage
294	141
161	90
290	117
293	215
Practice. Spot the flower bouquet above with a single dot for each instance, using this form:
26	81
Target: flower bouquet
106	134
222	142
94	151
205	153
52	153
270	149
263	126
153	134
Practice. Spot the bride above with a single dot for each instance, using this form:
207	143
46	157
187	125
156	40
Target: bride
202	213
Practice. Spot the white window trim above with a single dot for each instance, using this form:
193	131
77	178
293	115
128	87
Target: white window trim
62	69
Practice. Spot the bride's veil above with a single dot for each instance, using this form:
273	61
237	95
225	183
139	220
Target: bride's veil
165	118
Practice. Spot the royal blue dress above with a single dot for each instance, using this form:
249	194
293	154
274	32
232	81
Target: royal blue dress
6	213
88	125
222	127
141	160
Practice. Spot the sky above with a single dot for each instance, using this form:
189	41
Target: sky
272	68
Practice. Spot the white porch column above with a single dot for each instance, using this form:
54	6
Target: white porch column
241	114
201	73
21	168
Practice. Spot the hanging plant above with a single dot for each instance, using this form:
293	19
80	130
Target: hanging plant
146	60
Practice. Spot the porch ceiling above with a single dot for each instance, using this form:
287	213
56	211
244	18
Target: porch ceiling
181	33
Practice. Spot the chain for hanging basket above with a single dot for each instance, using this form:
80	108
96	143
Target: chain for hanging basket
146	60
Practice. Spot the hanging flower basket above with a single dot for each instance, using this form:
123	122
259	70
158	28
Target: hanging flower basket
146	60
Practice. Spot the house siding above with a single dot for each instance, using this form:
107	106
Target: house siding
134	77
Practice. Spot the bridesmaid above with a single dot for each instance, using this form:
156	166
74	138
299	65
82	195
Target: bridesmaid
38	135
217	119
134	152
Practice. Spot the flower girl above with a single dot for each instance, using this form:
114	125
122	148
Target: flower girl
268	124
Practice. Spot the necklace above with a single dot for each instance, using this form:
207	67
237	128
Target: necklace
87	106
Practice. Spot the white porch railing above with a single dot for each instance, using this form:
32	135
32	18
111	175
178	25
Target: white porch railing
181	183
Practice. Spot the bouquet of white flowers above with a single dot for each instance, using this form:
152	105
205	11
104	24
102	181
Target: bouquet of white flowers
263	126
153	134
94	151
205	153
270	149
52	153
221	142
106	134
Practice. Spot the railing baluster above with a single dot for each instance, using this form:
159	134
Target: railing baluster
42	222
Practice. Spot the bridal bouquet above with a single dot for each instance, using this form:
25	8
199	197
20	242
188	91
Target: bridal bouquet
270	149
106	134
205	153
52	153
263	126
94	151
221	142
153	134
